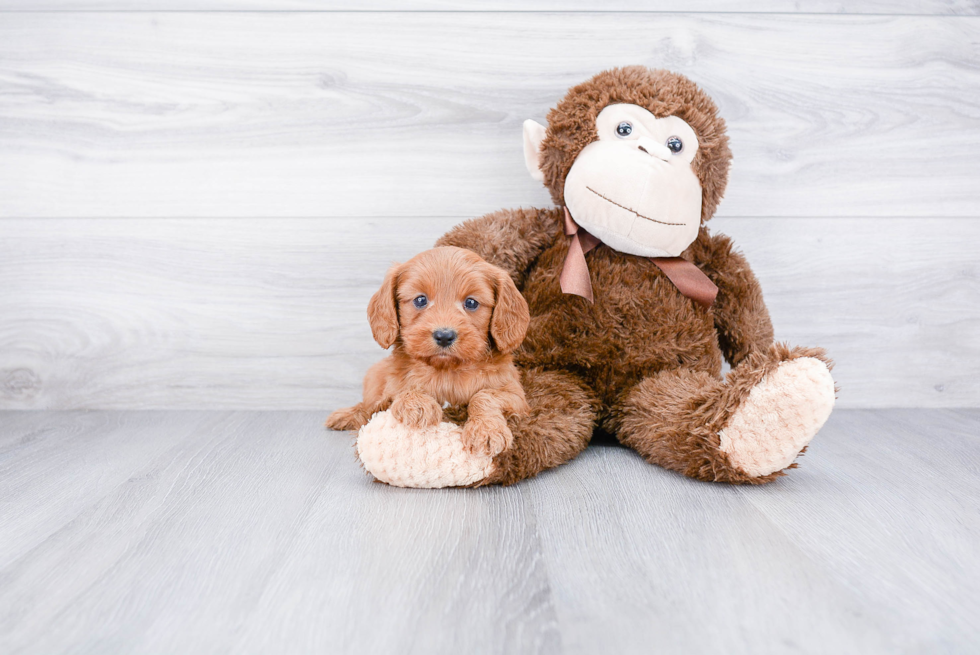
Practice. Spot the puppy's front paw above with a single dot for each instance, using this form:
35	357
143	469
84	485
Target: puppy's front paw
349	418
416	410
489	436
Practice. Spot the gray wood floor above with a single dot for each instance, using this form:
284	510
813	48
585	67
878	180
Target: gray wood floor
178	532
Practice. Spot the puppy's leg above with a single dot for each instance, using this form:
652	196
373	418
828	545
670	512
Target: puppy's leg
349	418
486	428
416	409
356	417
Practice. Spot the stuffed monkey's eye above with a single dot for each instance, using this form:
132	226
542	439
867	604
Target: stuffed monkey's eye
471	304
420	302
624	129
674	144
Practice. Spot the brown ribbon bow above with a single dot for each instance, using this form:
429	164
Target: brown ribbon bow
574	279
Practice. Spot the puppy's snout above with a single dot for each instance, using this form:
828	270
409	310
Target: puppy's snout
444	337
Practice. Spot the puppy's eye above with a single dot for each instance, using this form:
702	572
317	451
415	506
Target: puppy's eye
674	144
471	304
420	302
624	129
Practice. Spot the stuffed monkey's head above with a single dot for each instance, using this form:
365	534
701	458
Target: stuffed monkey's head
639	157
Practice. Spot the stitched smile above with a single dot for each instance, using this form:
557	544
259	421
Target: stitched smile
631	210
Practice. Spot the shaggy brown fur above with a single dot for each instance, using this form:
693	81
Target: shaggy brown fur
476	369
673	418
644	361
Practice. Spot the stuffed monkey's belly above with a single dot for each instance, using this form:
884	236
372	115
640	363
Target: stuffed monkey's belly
640	324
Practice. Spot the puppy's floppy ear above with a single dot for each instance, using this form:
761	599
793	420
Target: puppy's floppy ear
510	319
382	311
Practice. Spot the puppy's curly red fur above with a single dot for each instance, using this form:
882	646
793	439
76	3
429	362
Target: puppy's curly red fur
475	369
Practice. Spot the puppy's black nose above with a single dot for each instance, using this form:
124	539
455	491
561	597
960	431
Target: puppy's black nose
444	337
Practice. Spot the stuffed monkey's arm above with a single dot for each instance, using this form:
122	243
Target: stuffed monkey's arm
510	238
741	316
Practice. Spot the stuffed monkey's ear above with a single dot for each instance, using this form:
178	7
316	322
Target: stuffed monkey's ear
510	319
533	136
382	311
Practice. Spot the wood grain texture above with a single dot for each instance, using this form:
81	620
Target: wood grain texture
270	313
900	495
56	468
868	547
904	7
202	114
258	532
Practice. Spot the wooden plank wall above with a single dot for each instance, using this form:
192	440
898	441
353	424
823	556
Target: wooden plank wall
196	202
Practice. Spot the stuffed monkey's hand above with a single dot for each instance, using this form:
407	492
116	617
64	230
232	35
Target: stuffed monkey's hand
415	409
487	435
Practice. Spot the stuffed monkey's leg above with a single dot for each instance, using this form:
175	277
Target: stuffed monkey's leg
745	429
556	429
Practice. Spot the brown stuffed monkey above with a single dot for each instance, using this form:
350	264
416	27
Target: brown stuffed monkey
633	305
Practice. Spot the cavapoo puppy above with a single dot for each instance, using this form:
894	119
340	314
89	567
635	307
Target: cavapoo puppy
454	320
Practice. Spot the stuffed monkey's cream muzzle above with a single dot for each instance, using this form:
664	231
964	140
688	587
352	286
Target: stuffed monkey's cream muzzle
633	188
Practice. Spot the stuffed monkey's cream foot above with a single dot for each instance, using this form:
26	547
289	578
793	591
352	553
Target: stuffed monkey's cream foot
779	417
426	458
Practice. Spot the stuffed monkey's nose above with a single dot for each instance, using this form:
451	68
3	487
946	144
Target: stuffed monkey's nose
651	147
444	337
